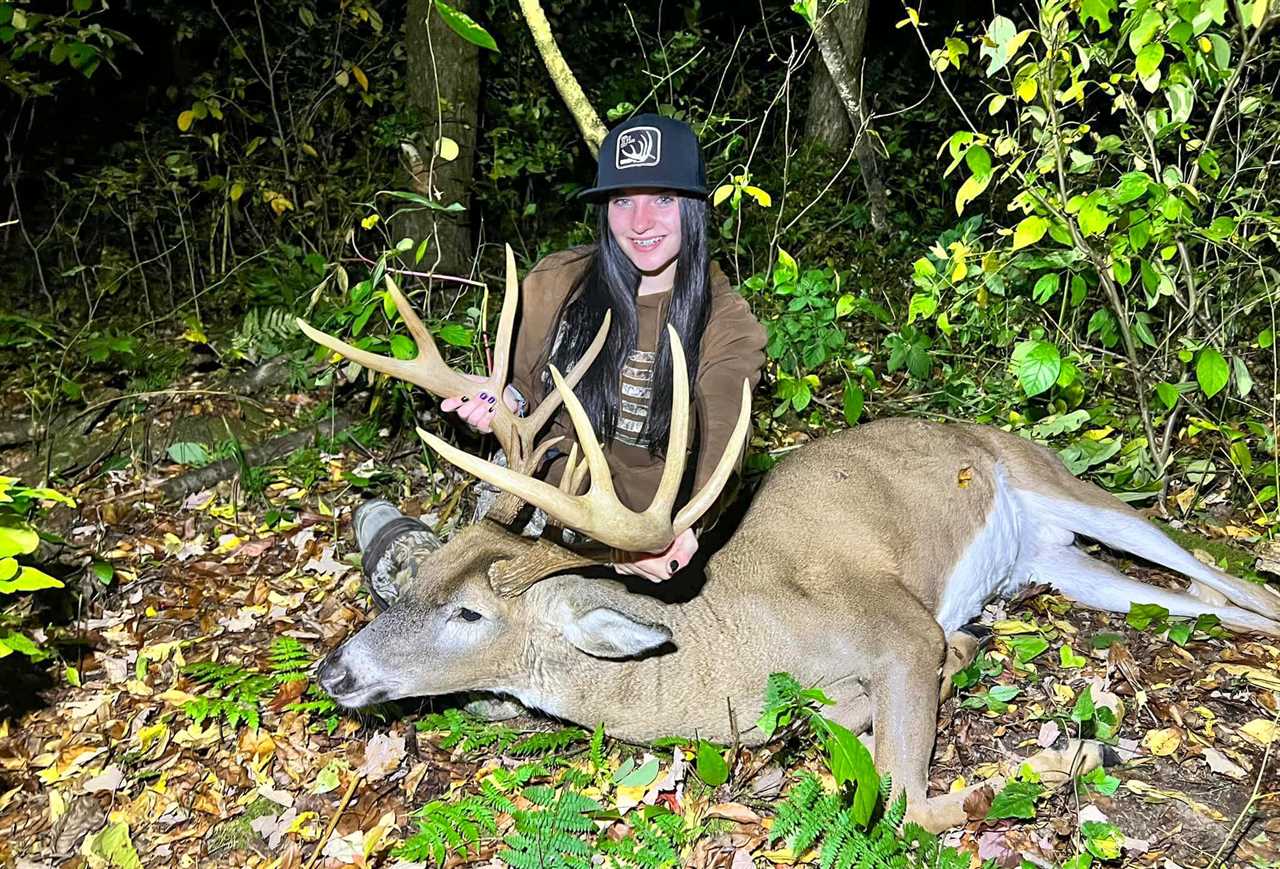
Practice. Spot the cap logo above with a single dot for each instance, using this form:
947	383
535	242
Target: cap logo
639	146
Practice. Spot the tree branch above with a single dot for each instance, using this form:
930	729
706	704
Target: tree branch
589	123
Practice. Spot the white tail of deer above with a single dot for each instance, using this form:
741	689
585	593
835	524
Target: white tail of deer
859	559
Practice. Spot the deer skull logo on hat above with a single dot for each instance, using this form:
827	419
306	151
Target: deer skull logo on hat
641	146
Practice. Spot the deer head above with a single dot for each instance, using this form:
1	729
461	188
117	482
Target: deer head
470	614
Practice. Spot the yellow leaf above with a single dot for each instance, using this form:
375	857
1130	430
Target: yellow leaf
996	104
1261	731
1014	626
186	119
1163	742
446	149
1205	45
237	190
361	78
722	193
760	196
1259	13
1028	231
970	190
342	79
309	151
280	204
370	222
913	18
1027	89
1254	675
959	271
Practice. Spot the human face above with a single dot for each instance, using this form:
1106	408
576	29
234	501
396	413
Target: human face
646	224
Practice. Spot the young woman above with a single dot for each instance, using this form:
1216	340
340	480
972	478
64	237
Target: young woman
650	265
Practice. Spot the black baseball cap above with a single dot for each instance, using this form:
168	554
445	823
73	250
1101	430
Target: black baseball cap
649	151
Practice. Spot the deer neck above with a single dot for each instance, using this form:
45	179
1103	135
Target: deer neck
687	686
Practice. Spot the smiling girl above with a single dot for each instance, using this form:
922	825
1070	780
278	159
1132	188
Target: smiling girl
650	266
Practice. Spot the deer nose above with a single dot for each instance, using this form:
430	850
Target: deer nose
334	676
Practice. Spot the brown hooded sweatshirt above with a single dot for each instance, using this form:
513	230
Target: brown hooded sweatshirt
732	350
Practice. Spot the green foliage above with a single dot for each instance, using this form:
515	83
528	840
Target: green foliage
1101	136
446	829
263	333
20	509
809	816
1153	617
656	841
549	833
806	315
234	693
469	734
37	46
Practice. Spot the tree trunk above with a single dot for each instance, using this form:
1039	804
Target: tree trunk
444	87
836	107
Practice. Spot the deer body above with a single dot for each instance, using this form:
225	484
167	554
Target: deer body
858	556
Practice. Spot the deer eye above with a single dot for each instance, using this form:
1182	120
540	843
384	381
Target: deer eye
469	615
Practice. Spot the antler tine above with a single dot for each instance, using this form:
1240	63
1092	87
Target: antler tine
506	321
551	403
427	369
678	434
699	503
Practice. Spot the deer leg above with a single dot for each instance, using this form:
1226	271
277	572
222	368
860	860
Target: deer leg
1095	584
904	663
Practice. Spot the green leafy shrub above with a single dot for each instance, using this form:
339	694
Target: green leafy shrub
1129	219
20	508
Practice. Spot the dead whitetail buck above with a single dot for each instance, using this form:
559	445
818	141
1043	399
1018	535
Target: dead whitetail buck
858	561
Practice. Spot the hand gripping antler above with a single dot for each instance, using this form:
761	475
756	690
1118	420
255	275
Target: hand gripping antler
598	512
516	434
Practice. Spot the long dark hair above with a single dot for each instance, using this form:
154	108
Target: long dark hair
610	282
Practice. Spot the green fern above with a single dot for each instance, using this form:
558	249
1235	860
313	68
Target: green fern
449	829
469	734
289	659
549	835
656	841
810	816
263	332
234	693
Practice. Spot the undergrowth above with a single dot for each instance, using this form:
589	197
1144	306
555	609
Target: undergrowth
234	694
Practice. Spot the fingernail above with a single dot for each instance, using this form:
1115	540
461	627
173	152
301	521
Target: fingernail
492	409
484	396
466	398
675	565
492	399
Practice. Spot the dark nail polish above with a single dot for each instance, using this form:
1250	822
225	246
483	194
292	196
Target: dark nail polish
492	399
466	398
675	565
492	409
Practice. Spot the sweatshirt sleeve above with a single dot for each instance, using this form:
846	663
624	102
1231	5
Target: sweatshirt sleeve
733	350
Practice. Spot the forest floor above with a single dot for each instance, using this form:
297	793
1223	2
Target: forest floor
141	764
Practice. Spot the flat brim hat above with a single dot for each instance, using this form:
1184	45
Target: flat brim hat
649	151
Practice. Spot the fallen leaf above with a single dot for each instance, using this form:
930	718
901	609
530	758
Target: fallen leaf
1163	742
382	756
1261	730
108	780
733	812
1221	764
1049	733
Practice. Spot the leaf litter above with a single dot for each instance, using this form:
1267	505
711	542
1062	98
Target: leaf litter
117	772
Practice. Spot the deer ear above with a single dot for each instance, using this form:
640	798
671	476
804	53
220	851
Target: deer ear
604	632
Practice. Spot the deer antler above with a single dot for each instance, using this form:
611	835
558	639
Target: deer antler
598	512
516	434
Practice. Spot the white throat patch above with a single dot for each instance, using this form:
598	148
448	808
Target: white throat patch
639	146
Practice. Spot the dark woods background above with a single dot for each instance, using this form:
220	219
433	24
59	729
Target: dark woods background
183	177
